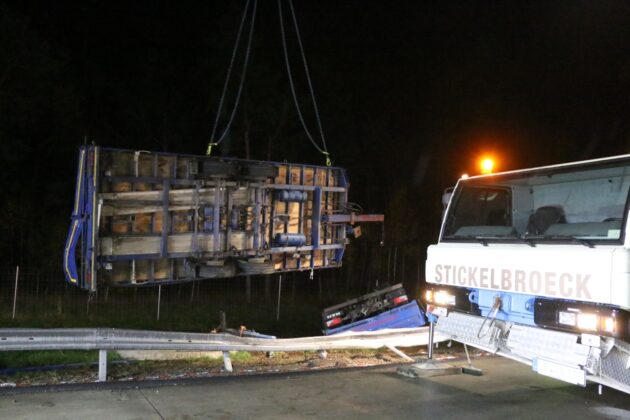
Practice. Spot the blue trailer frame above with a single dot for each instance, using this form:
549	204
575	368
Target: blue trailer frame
296	218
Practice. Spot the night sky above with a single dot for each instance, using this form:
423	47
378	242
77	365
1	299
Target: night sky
410	95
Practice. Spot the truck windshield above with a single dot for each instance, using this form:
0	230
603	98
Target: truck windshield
581	204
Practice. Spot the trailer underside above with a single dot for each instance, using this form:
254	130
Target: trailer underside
142	218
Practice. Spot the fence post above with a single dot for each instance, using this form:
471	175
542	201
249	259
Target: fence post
319	283
394	266
248	288
222	321
402	269
17	274
159	301
279	294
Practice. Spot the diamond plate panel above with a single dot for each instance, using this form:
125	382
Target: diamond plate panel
464	328
616	365
563	347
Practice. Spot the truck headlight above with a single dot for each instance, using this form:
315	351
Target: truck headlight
428	296
609	324
587	321
582	317
567	318
443	298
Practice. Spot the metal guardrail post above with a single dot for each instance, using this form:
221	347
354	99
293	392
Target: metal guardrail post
102	365
159	301
227	361
431	332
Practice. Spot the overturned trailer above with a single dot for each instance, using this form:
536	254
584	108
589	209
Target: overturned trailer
142	218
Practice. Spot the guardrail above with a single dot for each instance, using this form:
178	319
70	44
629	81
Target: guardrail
104	339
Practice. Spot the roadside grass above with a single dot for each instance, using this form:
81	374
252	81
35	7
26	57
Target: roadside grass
21	359
296	319
243	362
300	315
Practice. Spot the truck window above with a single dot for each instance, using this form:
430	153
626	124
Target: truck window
580	205
480	211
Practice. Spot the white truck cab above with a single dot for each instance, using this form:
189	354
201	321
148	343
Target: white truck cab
535	265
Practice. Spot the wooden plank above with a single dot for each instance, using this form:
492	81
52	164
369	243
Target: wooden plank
121	271
282	175
110	210
180	222
165	167
145	165
142	223
182	167
138	245
162	269
120	224
309	174
318	258
121	186
294	218
181	196
142	271
295	175
121	164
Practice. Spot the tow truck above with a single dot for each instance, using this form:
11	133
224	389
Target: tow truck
534	265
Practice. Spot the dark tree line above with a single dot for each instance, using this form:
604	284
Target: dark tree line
409	94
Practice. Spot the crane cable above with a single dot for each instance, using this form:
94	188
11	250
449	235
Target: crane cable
213	141
323	150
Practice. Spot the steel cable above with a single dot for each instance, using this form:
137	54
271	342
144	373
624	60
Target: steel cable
228	76
308	75
323	150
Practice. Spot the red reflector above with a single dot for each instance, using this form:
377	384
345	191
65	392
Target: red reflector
333	322
400	299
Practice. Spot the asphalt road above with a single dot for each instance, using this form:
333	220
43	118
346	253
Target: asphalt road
506	390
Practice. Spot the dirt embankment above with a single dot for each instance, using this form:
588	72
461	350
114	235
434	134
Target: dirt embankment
243	364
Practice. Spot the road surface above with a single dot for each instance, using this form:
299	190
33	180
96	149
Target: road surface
506	390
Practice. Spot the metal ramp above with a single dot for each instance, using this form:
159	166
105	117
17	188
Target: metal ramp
574	358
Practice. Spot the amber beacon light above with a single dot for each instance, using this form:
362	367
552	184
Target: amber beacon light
486	165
